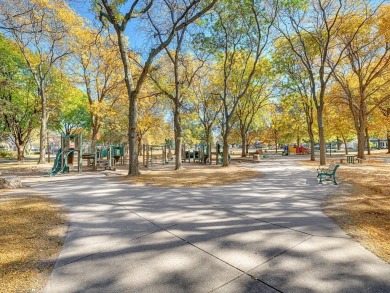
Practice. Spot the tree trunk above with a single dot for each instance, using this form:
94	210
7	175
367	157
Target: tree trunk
338	144
361	142
345	144
243	146
321	135
225	149
139	137
276	146
133	143
208	138
312	143
207	135
133	104
312	149
388	141
20	151
178	136
94	138
225	137
309	122
43	130
368	142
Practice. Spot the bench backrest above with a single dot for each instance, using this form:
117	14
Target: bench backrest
332	165
334	169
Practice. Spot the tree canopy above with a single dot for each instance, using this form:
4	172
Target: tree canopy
236	72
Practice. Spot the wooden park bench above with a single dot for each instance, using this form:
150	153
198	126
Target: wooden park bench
329	174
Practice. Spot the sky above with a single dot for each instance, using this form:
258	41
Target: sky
84	9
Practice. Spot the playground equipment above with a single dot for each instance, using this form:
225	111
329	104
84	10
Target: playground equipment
60	163
162	154
71	151
71	145
294	150
108	158
201	153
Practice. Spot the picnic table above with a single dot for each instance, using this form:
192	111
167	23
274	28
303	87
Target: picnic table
351	159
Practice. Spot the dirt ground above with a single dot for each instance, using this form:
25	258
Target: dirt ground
361	206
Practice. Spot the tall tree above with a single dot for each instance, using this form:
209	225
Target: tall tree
311	29
177	77
338	118
364	73
167	25
276	125
18	100
257	96
41	33
98	69
295	83
240	33
41	30
207	104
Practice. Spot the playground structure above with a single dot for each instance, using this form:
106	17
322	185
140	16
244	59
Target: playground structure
203	154
70	152
162	155
200	154
294	150
107	158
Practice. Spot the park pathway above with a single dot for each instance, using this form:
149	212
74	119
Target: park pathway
264	235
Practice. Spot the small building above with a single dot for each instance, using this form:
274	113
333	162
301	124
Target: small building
380	143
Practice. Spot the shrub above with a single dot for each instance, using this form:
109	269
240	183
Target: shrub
6	154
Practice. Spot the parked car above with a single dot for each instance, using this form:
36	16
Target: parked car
35	150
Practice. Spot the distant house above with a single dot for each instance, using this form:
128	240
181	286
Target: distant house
379	143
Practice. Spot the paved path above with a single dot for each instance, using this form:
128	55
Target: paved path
266	235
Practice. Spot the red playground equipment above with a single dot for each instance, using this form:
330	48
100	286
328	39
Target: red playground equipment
301	150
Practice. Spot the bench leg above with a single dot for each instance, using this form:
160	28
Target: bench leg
320	179
334	180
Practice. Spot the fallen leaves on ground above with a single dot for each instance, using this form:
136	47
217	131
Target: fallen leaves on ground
24	169
194	176
31	236
361	206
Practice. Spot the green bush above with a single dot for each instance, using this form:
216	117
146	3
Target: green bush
6	154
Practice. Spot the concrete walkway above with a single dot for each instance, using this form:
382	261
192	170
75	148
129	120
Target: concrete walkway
265	235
